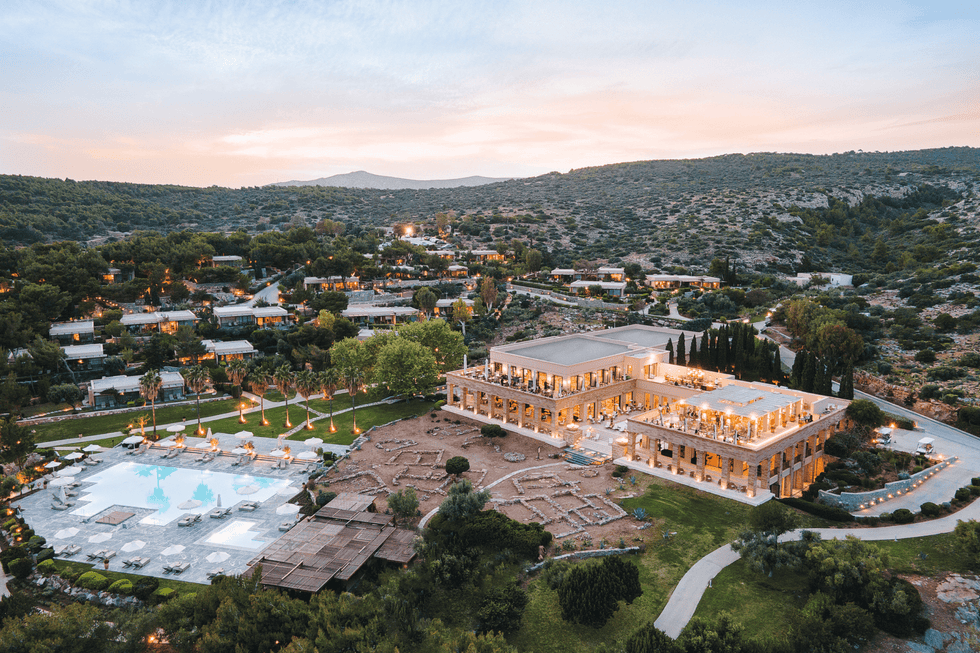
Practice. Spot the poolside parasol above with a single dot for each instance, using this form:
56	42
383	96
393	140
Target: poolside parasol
219	501
166	443
287	509
217	556
176	428
238	451
65	533
248	489
243	435
190	504
312	442
135	545
53	464
61	481
133	439
74	455
307	455
100	537
278	453
173	549
92	448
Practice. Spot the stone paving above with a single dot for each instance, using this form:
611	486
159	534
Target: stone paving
240	535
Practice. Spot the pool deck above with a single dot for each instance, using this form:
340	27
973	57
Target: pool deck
225	534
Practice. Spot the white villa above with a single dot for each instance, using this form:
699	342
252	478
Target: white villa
241	315
163	321
112	391
750	441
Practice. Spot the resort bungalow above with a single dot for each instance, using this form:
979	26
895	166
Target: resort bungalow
486	255
375	315
674	281
230	261
111	391
444	307
68	333
457	271
568	275
115	275
748	441
84	358
611	288
240	315
333	284
830	279
163	321
224	351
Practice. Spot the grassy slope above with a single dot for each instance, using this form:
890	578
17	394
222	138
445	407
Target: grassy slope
703	522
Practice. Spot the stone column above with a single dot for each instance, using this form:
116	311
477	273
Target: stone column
753	480
699	474
521	407
726	473
766	464
631	446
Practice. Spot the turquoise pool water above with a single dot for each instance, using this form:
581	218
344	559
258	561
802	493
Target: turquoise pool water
162	489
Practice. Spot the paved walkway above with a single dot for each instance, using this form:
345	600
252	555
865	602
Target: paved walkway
684	599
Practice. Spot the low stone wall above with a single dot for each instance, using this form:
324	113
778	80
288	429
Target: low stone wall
594	553
851	501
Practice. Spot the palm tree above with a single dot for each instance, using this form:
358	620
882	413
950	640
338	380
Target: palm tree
237	369
150	385
258	383
283	378
197	378
329	380
306	384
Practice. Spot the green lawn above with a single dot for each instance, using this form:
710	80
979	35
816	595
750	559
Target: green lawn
118	421
179	586
765	606
702	522
366	418
928	556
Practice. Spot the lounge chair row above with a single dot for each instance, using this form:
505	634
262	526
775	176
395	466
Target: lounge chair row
248	506
189	520
136	562
67	550
176	568
217	572
103	554
219	513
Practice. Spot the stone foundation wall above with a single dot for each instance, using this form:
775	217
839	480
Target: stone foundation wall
852	501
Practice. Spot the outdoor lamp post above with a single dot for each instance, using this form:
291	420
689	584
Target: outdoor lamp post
241	414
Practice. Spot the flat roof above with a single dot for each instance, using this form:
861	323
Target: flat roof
83	351
69	328
224	348
230	257
745	401
602	284
644	337
132	383
270	311
374	311
570	350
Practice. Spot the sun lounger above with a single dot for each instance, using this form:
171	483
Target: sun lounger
128	562
241	459
60	549
248	506
219	513
167	568
62	506
180	567
286	525
91	462
96	555
216	573
139	563
71	550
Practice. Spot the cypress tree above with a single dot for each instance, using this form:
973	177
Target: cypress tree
681	351
670	351
777	366
693	359
828	381
723	350
796	376
738	359
704	351
809	373
846	390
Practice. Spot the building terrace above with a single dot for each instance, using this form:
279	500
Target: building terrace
751	437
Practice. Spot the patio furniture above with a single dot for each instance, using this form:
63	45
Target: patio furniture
180	567
219	513
71	550
91	462
167	568
238	462
62	506
97	555
128	562
248	506
139	563
216	573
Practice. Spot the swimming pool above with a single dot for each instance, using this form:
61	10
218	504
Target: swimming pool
161	488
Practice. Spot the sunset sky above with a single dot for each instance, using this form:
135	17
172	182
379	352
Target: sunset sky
249	93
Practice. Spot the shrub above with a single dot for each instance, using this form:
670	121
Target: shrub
457	465
962	494
833	513
903	516
145	587
21	567
929	509
974	489
45	554
122	586
492	431
36	543
975	480
162	594
589	593
323	498
47	567
553	572
92	580
9	555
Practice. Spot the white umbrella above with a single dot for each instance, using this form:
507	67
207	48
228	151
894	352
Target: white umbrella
176	428
166	443
133	439
65	533
208	434
243	435
74	455
53	464
190	504
92	448
278	453
67	471
100	537
60	481
62	495
217	556
135	545
312	442
239	451
248	489
173	549
287	509
219	501
307	455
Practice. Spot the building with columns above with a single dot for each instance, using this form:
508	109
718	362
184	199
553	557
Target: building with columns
755	440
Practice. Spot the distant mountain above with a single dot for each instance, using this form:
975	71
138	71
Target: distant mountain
362	179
